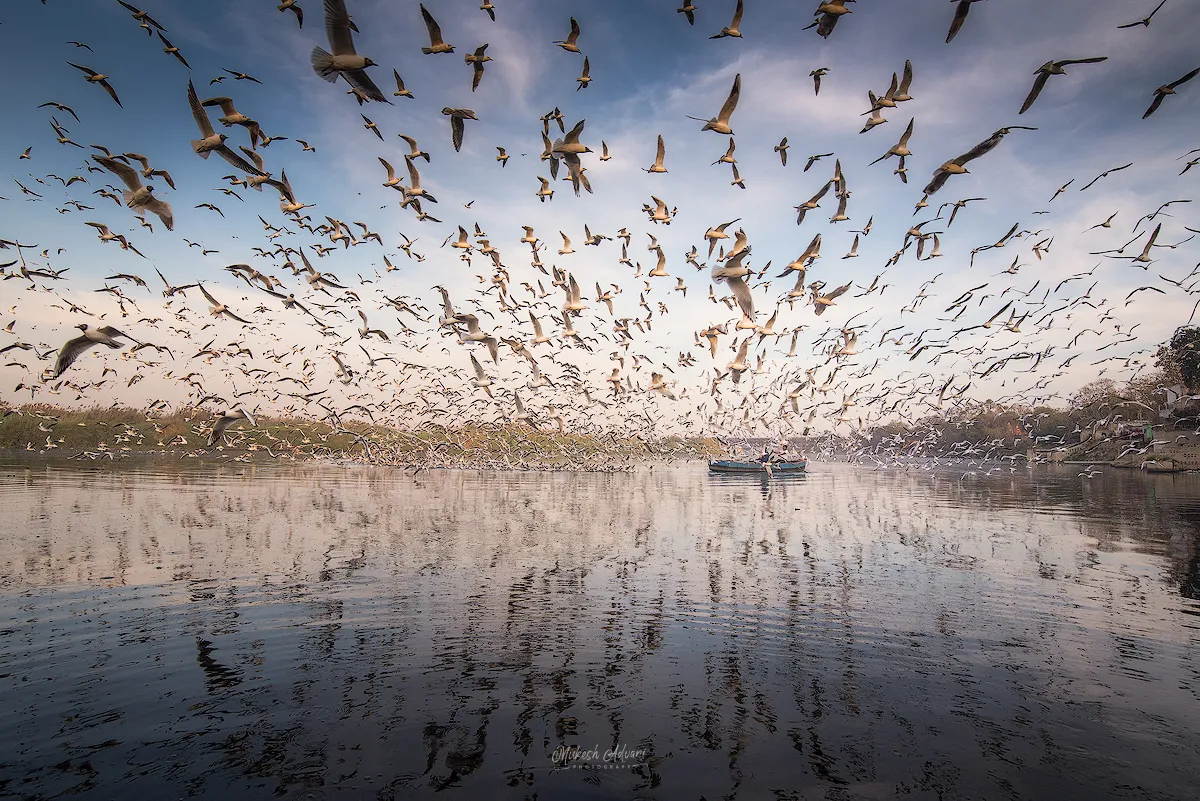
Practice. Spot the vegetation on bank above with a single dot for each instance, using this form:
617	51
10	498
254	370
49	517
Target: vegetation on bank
101	432
1094	425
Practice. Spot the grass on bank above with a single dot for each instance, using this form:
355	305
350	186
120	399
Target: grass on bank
41	427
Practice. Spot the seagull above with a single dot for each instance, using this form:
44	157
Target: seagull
415	152
371	126
1106	224
1105	174
476	61
457	125
1145	22
227	419
816	75
481	379
586	78
171	49
400	90
900	148
137	197
1044	72
142	17
569	44
241	76
960	16
489	8
688	10
828	13
344	60
61	107
1159	93
720	123
96	77
814	159
291	5
219	308
213	142
732	28
414	190
73	348
782	149
958	166
1144	256
657	166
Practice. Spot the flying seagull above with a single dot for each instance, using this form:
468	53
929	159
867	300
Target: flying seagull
344	60
1044	72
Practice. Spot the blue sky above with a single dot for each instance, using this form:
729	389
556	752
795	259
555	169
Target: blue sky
650	70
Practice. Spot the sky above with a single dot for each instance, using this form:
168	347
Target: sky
650	72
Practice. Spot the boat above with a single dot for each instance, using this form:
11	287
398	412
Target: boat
733	466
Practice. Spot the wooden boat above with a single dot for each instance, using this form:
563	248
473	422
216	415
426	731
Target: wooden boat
732	466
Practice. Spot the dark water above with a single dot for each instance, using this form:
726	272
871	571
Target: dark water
311	631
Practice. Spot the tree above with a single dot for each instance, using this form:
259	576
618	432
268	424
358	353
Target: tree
1096	395
1182	356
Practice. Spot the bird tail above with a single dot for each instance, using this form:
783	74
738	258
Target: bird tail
196	143
322	63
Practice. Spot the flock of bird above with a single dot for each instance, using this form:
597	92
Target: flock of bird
533	345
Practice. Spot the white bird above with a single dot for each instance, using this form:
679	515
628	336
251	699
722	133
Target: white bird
138	197
72	349
227	419
457	126
344	60
481	379
211	141
732	28
657	166
720	123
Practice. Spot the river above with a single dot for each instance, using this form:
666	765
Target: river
172	629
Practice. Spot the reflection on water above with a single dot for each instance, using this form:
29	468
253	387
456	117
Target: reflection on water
314	631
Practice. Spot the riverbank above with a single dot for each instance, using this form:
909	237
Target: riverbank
119	432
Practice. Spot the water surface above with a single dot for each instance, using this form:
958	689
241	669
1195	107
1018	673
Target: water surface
272	630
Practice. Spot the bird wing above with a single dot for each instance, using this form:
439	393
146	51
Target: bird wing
1094	60
732	101
111	92
198	112
207	296
108	330
835	294
163	210
361	83
981	148
226	104
237	161
1154	104
435	31
1038	83
121	170
457	126
737	15
337	28
70	352
1185	78
741	293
